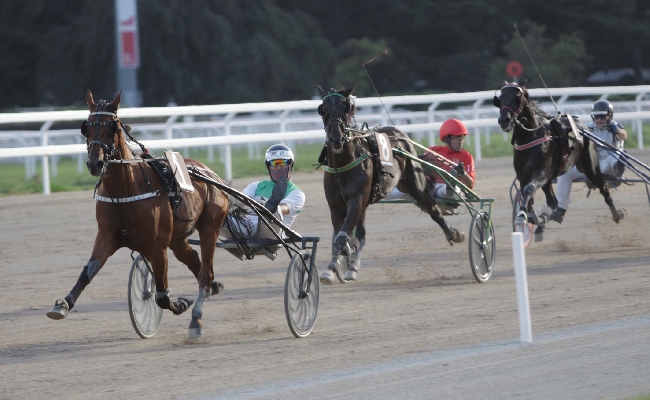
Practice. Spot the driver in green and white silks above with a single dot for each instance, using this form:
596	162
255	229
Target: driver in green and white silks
278	194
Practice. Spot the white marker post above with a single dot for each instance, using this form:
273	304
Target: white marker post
519	258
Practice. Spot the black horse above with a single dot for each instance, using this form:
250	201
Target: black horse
545	147
360	170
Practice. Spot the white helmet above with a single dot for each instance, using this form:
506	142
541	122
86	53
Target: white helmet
278	151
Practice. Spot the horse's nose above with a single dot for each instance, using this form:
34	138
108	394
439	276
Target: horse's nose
95	167
335	144
504	121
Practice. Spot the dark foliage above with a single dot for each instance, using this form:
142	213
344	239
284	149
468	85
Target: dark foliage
225	51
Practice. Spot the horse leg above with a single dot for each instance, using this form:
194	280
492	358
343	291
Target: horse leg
103	248
340	241
551	200
527	193
452	235
158	260
617	215
600	183
356	243
208	234
190	257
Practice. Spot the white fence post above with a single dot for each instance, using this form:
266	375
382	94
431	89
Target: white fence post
477	131
432	118
45	160
639	122
521	279
228	153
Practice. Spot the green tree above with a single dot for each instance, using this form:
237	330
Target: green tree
561	62
229	51
349	70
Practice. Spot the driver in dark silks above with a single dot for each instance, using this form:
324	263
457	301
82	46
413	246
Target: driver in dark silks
610	131
278	194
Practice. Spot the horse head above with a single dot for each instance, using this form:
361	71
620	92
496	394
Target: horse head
511	103
101	130
336	110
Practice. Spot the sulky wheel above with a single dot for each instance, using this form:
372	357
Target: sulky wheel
482	246
143	310
301	294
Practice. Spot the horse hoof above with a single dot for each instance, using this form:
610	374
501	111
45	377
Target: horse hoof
539	236
59	311
621	214
542	220
182	305
193	333
194	330
327	277
459	237
350	275
217	287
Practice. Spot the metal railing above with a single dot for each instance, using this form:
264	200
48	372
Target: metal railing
231	124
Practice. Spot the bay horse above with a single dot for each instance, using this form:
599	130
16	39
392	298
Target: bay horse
355	178
133	210
545	147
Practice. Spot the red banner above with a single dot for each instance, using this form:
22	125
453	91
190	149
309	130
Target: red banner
129	56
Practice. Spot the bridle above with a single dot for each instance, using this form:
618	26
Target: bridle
340	119
113	125
520	107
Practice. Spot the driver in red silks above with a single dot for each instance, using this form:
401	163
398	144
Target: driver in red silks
452	133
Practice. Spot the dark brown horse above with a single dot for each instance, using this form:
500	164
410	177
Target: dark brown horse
355	178
545	147
134	210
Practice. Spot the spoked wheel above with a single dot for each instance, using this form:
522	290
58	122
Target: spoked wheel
143	310
482	247
301	295
526	228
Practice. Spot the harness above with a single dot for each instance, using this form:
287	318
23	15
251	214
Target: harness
350	134
334	170
159	165
532	144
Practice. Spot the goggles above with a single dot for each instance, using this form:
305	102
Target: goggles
278	163
600	116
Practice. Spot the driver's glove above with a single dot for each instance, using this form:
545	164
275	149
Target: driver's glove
277	195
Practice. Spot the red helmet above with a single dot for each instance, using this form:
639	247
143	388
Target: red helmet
452	127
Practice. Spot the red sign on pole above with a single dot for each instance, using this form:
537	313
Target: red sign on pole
514	69
129	53
127	34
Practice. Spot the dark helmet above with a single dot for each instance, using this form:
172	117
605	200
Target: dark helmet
603	107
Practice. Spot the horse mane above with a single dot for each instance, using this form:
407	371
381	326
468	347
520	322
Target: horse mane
534	106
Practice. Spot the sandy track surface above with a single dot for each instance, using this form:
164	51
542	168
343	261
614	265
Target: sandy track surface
415	325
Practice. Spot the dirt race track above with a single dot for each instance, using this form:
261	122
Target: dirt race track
416	324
